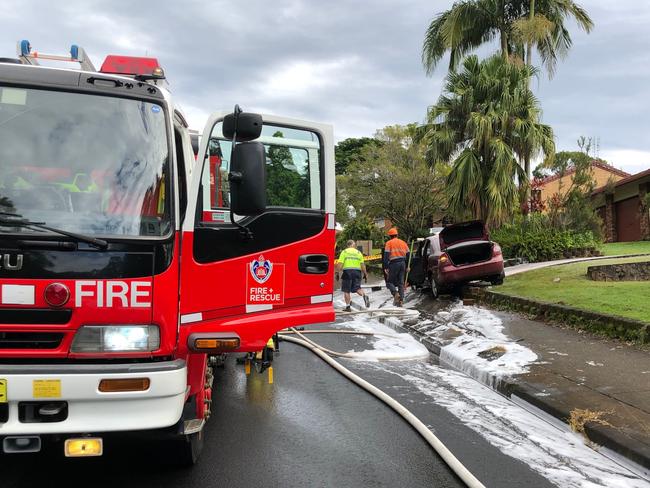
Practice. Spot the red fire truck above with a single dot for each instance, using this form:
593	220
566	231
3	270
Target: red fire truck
127	262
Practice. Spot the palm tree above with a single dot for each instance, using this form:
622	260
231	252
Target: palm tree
485	123
515	23
543	26
546	31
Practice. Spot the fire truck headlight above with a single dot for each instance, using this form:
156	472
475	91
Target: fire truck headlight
116	338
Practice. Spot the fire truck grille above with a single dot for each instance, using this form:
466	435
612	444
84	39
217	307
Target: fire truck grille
30	340
34	316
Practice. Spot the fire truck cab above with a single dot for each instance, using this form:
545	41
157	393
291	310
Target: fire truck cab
127	259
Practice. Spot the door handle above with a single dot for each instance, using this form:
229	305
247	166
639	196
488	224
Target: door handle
313	263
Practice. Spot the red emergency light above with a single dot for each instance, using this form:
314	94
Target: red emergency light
132	65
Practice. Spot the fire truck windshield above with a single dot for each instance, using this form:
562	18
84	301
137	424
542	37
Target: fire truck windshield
89	164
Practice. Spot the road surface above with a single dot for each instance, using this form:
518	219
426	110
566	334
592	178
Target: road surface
311	427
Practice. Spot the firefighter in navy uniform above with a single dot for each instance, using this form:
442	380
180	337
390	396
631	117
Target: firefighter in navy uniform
395	256
351	261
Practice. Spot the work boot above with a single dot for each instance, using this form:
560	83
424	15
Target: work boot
347	309
395	299
366	300
399	300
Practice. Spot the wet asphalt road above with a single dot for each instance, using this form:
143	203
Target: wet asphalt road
311	428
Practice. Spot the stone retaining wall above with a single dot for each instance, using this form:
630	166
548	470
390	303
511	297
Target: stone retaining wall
620	272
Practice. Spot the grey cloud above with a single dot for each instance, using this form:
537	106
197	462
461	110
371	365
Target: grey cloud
355	64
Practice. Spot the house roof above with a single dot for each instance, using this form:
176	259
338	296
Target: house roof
624	181
594	163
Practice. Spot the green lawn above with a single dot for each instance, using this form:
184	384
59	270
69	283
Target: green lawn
619	248
627	298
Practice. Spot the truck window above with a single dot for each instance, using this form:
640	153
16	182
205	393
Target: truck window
84	163
292	169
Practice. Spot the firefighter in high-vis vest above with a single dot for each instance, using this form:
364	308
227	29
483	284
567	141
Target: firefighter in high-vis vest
351	262
395	257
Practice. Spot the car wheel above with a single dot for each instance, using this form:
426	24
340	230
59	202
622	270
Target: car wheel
497	280
435	292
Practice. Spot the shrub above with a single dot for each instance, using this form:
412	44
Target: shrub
534	239
359	228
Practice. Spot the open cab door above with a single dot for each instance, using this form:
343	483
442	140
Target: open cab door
268	266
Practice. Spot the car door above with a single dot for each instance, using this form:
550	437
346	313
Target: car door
280	272
416	274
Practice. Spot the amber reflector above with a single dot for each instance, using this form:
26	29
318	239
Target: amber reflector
124	384
217	343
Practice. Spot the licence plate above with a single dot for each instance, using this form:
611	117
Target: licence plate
3	391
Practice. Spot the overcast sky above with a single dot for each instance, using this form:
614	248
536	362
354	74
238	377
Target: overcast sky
352	63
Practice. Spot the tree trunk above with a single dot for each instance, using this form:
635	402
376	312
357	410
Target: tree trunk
529	62
529	47
504	44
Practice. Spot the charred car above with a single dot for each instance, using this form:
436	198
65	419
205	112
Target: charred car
455	255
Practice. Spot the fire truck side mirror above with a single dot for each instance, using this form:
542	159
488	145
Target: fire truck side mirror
249	126
248	179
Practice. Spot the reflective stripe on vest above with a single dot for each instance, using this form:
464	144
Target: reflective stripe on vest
351	258
396	248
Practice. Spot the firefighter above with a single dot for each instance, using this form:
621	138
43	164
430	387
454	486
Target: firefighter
395	256
351	261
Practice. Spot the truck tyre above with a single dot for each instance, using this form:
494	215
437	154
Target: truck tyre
187	449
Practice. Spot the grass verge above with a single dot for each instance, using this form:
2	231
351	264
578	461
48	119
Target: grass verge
568	284
620	248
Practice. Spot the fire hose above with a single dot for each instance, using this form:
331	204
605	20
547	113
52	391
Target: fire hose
325	354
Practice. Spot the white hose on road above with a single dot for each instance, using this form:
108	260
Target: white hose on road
338	331
352	354
381	312
457	467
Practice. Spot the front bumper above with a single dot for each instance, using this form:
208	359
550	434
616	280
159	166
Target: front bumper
90	410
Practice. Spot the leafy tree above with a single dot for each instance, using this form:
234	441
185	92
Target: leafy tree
469	24
570	207
286	187
485	122
343	214
350	150
562	162
360	228
394	181
566	160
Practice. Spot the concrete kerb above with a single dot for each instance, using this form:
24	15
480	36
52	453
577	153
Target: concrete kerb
602	436
609	325
518	391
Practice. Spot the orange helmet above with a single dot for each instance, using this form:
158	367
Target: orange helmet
392	231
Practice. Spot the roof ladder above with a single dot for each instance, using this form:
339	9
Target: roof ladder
77	54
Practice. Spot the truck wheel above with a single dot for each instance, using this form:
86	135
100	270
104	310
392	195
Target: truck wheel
187	449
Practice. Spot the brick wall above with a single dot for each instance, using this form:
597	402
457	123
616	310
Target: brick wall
610	219
644	218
